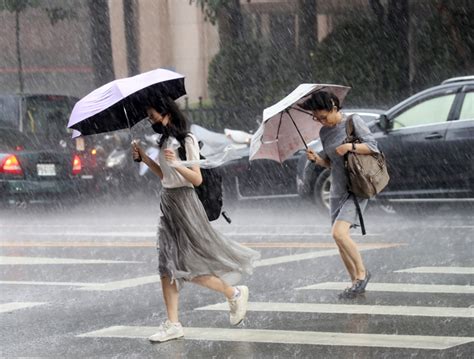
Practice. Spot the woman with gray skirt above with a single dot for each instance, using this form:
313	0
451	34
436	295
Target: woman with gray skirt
326	110
190	250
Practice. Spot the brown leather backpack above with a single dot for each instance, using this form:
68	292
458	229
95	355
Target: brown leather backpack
367	174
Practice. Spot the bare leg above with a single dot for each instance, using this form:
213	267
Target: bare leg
340	233
349	264
171	296
215	283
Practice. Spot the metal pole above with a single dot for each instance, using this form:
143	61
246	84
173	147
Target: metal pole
130	129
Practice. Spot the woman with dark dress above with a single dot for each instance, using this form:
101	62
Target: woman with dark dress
326	110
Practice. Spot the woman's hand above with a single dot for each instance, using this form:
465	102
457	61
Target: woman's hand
137	152
315	158
169	155
311	155
343	149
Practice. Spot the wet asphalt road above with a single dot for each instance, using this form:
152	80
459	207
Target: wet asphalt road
82	281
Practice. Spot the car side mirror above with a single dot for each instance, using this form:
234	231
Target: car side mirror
384	122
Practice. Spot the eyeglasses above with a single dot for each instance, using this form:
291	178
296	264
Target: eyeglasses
320	119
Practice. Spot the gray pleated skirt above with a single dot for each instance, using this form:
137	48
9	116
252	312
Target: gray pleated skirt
190	247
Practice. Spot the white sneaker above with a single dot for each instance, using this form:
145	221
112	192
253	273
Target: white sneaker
238	306
167	331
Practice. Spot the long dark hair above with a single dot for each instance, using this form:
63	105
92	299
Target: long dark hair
178	126
321	100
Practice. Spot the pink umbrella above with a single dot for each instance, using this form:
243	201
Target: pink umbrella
286	127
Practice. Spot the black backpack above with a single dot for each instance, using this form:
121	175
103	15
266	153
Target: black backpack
210	190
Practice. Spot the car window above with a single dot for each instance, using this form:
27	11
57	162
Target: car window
467	110
434	110
47	114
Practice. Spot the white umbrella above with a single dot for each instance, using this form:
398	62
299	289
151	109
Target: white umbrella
286	127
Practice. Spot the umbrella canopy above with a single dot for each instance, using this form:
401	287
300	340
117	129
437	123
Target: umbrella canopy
286	127
120	104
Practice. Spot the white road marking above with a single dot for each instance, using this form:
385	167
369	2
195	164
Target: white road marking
153	234
9	307
438	270
148	225
66	284
291	337
134	282
11	260
295	257
304	256
122	284
107	286
351	309
398	287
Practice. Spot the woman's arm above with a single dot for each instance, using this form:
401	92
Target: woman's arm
313	157
137	152
192	174
368	145
359	148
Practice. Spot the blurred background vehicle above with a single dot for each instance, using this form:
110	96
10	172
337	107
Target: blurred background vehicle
427	140
30	173
43	118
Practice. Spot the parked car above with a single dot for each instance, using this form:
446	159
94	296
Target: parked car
43	118
269	179
427	140
29	173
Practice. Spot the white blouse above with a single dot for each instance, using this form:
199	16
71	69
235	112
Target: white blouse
171	177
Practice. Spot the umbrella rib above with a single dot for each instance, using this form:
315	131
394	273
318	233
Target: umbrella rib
297	129
279	125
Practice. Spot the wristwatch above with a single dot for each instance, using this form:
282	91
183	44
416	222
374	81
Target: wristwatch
353	147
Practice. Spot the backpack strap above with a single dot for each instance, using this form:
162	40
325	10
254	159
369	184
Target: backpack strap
350	132
350	127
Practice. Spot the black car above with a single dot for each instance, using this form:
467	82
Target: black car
29	173
244	179
427	140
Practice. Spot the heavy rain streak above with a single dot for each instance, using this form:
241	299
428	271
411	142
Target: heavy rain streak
237	178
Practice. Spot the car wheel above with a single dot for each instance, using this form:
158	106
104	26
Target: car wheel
322	189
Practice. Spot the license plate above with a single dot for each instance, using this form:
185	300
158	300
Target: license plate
46	169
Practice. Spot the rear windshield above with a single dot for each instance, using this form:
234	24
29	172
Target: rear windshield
48	116
15	141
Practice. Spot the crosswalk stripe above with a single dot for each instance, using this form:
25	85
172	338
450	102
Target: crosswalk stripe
66	284
153	234
9	307
397	287
351	309
107	286
152	244
122	284
133	282
317	254
438	270
11	260
291	337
